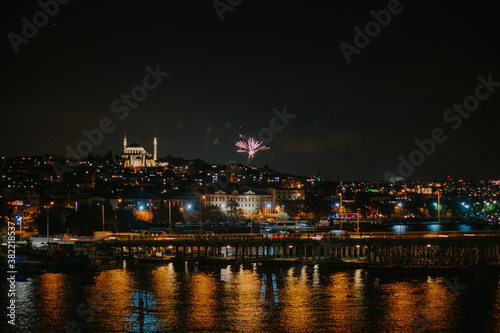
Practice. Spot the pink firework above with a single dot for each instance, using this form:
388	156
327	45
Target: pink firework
250	147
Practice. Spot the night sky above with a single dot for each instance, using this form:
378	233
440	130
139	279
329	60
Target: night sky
225	78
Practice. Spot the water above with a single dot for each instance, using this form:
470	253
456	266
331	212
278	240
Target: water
435	227
250	298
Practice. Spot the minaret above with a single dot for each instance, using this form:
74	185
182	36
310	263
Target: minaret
155	151
125	141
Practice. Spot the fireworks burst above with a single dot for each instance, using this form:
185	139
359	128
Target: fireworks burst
250	147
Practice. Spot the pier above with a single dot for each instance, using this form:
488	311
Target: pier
433	250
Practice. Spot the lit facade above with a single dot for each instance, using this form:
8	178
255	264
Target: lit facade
135	156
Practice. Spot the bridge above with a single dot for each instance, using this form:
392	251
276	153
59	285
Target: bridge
414	249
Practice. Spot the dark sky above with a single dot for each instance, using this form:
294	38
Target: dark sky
352	120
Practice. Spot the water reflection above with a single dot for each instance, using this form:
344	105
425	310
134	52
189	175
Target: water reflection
438	308
249	310
234	298
111	296
342	311
434	227
464	227
400	228
202	313
165	288
495	311
296	314
54	288
400	302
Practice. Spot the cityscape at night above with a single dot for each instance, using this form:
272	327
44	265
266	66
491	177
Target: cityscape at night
232	166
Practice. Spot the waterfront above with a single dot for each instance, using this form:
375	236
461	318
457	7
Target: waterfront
189	297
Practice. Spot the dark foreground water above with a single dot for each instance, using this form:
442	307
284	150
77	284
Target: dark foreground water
190	298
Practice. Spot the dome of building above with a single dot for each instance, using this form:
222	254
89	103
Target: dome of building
134	154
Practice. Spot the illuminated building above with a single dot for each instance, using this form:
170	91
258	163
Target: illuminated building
136	156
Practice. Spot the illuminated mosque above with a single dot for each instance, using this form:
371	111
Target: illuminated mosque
136	156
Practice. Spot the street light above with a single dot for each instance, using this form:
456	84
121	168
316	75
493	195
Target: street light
357	228
102	205
116	207
294	206
439	208
19	219
170	217
103	217
201	210
251	226
340	213
400	205
48	214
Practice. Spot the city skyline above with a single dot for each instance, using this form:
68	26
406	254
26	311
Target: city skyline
322	91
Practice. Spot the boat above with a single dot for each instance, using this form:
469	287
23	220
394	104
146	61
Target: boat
102	261
26	265
69	256
296	225
144	258
324	225
22	264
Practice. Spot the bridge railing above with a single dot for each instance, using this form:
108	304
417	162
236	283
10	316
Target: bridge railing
307	236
